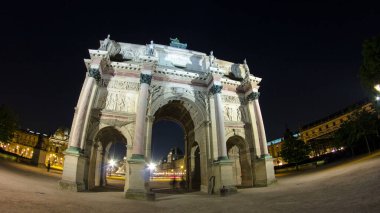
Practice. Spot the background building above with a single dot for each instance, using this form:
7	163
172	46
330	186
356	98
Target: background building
57	145
173	165
37	148
320	134
28	145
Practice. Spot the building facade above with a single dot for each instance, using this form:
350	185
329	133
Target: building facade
58	143
128	87
27	144
319	134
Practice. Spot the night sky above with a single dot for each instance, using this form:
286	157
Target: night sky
308	53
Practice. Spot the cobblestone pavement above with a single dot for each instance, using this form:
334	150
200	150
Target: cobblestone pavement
350	186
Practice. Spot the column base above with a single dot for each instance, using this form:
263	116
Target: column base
140	195
264	172
224	184
136	179
71	186
73	176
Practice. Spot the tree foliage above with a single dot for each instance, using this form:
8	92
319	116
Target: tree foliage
370	68
360	126
8	123
294	150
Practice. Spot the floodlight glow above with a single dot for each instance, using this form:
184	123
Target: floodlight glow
377	98
377	87
151	166
112	162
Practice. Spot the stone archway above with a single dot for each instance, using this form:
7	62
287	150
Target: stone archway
238	153
99	156
128	86
177	110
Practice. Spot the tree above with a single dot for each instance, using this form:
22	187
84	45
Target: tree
8	123
346	136
361	125
294	150
370	69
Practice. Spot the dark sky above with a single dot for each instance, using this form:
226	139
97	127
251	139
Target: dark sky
308	53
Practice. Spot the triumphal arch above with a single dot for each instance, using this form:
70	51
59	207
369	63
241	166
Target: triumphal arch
128	87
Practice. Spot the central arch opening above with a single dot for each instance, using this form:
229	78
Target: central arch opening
172	140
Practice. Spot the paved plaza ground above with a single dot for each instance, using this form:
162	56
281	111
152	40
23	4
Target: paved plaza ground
349	186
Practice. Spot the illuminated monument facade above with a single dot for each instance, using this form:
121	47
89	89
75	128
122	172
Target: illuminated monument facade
129	87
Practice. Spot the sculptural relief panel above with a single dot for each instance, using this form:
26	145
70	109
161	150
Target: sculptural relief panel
233	113
233	110
116	100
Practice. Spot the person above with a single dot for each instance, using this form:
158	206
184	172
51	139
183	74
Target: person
182	183
174	182
48	166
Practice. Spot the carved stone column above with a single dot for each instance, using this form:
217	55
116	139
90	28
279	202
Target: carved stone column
254	126
263	166
136	179
259	117
138	144
148	145
74	175
222	168
222	150
81	111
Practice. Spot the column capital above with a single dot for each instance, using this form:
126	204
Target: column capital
253	96
216	89
94	73
150	118
145	78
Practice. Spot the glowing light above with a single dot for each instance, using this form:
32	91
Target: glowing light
152	166
377	98
112	163
377	87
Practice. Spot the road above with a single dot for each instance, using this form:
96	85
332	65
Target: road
351	186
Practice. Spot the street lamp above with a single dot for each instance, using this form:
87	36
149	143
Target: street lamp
377	98
152	166
111	163
377	87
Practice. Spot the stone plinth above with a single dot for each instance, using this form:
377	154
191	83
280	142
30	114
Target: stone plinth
264	171
73	177
135	182
222	170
